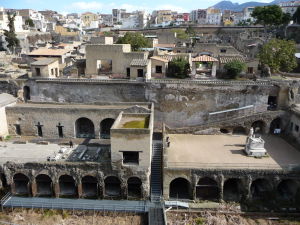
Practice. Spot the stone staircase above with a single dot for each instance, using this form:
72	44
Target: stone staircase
156	173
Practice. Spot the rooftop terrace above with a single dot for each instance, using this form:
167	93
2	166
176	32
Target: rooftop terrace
226	151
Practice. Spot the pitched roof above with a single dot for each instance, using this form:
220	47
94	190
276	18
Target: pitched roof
229	58
6	99
205	58
158	58
139	62
49	51
43	62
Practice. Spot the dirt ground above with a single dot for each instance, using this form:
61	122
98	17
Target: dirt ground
207	218
56	217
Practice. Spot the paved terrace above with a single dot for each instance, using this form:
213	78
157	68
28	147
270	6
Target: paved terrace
226	151
29	149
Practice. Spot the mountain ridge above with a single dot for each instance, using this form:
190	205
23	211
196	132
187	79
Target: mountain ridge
229	5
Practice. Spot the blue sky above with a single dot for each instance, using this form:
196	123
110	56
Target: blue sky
105	6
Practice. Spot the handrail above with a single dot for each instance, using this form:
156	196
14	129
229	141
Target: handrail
259	166
158	81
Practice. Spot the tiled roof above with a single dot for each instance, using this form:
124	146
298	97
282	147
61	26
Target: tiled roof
229	58
49	51
158	58
43	62
139	62
205	58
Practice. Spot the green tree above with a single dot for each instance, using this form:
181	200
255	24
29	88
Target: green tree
29	22
178	68
136	40
234	68
279	55
181	34
190	31
296	16
270	15
10	35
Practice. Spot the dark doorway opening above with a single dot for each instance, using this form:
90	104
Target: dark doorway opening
60	130
272	102
84	128
67	186
18	129
26	93
134	187
275	126
89	187
232	190
43	185
112	186
128	72
140	73
287	190
105	126
260	189
21	183
180	188
39	129
207	189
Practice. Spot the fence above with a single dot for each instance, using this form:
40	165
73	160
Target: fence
158	81
253	166
74	204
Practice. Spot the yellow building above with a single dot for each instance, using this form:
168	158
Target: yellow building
88	17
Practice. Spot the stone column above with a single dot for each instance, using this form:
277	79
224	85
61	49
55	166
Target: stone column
56	190
214	69
124	190
13	188
247	191
221	188
100	190
33	189
195	179
79	190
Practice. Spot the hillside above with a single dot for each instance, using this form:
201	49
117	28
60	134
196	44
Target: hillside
228	5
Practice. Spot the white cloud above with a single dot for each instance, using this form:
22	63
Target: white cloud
87	5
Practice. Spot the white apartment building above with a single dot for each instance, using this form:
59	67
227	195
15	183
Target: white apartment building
4	21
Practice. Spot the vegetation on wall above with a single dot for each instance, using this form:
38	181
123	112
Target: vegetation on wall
178	68
136	40
234	68
279	55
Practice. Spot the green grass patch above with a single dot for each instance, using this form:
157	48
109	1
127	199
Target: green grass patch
137	124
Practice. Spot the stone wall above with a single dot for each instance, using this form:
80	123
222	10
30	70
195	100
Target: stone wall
246	176
49	116
77	171
177	103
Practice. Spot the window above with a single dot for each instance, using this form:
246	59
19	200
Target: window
140	73
223	50
158	69
38	71
128	72
296	128
18	129
130	157
52	72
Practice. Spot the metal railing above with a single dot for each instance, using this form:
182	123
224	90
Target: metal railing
4	199
259	166
167	81
17	203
